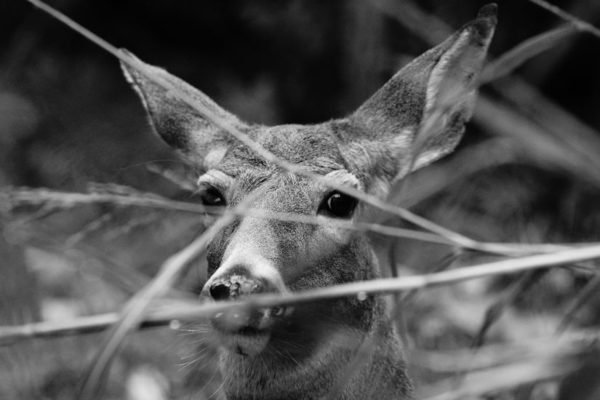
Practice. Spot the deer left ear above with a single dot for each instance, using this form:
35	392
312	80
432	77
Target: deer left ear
418	116
176	121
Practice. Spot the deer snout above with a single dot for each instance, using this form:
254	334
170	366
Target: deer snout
238	284
235	286
239	277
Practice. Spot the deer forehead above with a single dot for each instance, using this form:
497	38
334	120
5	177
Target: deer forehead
315	146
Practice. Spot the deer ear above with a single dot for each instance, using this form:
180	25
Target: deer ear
177	122
418	116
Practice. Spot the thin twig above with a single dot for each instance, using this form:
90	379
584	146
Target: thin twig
378	286
474	385
127	279
21	197
587	293
16	197
525	51
547	139
336	291
133	223
362	353
407	215
93	226
495	311
490	355
173	177
65	200
133	312
577	22
441	177
500	119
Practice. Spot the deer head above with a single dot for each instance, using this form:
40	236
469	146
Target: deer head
417	117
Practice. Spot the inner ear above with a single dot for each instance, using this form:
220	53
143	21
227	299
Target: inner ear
450	99
418	116
177	121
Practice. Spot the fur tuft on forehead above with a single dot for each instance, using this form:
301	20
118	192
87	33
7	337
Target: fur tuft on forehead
314	146
300	143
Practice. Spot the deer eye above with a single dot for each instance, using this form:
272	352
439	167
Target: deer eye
338	205
211	196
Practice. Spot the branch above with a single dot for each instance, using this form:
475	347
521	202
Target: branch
455	238
556	137
577	22
133	312
185	311
12	199
525	51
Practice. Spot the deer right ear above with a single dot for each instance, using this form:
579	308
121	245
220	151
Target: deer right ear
178	123
418	116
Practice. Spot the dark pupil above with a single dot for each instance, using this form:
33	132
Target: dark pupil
341	205
211	197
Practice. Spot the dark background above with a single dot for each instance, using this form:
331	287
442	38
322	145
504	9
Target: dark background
68	118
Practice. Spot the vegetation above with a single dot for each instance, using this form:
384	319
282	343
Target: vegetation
497	283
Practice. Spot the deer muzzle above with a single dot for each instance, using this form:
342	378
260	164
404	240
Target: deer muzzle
244	329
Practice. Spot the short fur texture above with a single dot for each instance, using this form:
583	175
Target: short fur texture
305	354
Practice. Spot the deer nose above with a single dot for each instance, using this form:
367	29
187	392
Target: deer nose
234	286
219	291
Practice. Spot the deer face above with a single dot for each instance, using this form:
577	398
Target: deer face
256	255
414	119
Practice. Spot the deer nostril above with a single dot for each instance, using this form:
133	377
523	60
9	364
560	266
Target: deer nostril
234	286
220	291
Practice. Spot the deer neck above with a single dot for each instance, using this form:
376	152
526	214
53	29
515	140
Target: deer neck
337	361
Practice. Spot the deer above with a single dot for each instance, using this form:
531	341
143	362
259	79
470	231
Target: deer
304	352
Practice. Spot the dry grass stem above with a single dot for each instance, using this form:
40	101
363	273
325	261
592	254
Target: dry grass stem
492	355
586	294
525	51
456	238
495	311
173	177
577	22
65	200
133	312
504	377
554	138
502	119
550	135
185	311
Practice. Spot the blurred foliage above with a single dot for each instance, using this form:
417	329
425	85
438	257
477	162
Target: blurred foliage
68	118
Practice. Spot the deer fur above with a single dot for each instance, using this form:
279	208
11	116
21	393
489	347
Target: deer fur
417	117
